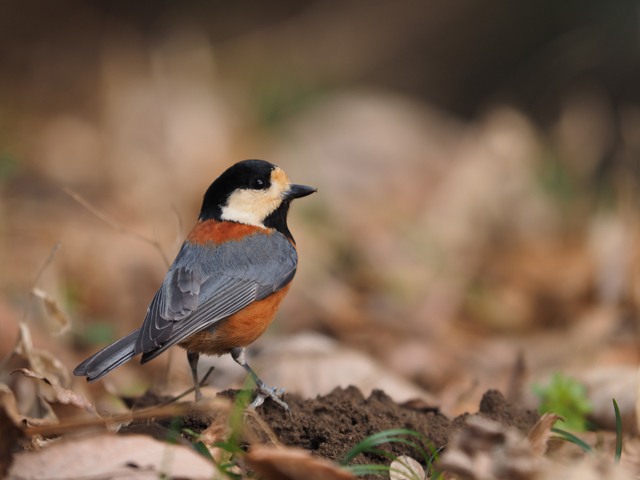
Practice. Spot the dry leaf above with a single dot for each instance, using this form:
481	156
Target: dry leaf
218	431
541	432
590	467
8	402
487	450
112	456
406	468
293	464
55	394
311	364
604	383
54	312
41	361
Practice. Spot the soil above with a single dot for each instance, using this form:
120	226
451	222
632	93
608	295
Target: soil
329	426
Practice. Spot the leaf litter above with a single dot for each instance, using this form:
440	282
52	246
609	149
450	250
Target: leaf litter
538	289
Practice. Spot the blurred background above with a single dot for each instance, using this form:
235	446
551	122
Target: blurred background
477	166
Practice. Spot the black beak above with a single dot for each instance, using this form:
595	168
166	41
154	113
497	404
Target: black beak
299	191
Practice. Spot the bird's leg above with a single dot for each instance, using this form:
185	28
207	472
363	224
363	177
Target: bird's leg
263	391
193	363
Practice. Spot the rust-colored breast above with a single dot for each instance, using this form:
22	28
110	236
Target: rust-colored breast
240	329
211	231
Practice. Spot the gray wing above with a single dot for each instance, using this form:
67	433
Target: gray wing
208	283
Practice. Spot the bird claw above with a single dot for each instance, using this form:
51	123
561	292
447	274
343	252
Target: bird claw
274	394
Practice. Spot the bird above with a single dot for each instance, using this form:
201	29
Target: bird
226	283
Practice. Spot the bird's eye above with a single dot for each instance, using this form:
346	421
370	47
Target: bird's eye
258	184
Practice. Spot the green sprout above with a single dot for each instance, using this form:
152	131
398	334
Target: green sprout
566	397
368	445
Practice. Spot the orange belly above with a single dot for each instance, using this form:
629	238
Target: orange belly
238	330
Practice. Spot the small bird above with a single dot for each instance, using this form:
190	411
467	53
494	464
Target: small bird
226	283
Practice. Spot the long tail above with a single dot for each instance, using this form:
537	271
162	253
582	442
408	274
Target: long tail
107	359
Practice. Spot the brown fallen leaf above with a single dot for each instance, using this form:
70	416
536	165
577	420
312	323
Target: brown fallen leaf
312	364
112	456
590	467
54	394
293	464
604	383
55	313
10	406
485	450
218	431
541	432
40	360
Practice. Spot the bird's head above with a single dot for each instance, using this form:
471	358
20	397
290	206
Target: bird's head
253	192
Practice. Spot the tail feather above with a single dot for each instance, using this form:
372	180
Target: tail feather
107	359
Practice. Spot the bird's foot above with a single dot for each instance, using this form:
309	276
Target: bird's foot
274	394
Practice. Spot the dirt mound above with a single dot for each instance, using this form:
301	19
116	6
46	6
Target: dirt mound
329	426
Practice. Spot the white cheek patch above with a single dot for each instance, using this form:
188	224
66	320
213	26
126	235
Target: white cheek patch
252	207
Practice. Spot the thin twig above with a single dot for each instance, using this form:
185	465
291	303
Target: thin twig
179	234
74	424
27	307
186	392
117	226
54	250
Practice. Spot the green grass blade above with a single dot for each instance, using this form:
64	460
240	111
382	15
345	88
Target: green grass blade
618	433
434	458
397	440
173	433
570	437
384	437
228	447
367	469
202	449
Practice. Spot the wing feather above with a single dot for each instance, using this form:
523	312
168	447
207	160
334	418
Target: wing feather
213	311
208	283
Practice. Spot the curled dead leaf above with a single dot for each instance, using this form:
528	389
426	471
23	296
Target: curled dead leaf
31	374
56	394
55	313
40	360
293	464
8	402
218	431
541	432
